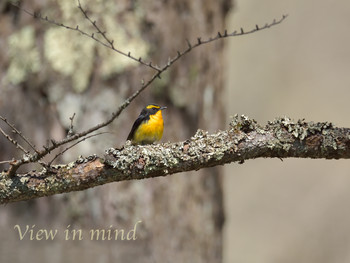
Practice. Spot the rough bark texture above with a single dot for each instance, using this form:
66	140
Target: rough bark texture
243	141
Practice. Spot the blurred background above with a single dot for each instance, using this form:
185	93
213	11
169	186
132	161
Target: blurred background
261	211
296	210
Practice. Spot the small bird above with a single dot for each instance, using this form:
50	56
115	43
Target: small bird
149	126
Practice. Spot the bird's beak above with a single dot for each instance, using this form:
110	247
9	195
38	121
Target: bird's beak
162	108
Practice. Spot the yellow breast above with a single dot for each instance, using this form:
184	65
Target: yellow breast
151	130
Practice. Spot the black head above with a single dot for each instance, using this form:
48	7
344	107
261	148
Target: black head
151	109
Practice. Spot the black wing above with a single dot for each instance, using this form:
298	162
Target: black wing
135	126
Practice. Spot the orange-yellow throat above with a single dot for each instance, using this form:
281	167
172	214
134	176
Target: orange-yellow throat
150	130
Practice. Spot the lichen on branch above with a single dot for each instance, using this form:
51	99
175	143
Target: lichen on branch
243	140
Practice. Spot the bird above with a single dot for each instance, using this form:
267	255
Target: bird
148	127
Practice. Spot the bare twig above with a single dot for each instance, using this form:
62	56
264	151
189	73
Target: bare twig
14	142
71	128
19	134
220	36
71	146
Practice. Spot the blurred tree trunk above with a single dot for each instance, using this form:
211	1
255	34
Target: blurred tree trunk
49	73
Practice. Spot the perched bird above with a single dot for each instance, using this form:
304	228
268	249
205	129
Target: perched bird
149	126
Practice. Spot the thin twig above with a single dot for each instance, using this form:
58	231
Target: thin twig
71	131
19	134
71	146
14	142
219	36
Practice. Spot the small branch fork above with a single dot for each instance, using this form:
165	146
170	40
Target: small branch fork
109	43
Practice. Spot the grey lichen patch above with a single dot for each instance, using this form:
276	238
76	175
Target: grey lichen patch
41	187
329	142
299	129
52	181
199	134
245	124
302	136
158	156
24	55
5	183
24	180
235	123
141	160
205	147
122	158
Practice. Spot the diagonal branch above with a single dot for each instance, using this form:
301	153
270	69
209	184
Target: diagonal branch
244	140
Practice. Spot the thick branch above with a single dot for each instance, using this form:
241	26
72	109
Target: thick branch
244	140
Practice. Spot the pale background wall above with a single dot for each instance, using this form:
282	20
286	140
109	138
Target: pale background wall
295	210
